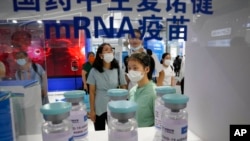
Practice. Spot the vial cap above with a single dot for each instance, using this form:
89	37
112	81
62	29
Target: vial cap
117	92
55	108
74	94
162	90
122	106
175	99
4	93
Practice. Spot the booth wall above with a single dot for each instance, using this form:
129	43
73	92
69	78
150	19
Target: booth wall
217	76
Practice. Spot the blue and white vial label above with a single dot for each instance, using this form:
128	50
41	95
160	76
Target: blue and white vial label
79	121
158	116
174	130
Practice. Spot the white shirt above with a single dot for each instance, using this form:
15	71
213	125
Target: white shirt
168	74
182	71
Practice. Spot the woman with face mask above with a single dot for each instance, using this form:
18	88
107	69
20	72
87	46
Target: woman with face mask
86	67
104	75
169	75
27	70
139	66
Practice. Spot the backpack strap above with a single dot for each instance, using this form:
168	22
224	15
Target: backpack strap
34	66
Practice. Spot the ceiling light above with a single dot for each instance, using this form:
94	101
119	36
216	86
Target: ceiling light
39	21
14	21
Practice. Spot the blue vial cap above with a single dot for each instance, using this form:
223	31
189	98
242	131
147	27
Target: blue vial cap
162	90
55	108
117	92
175	99
4	93
74	94
122	106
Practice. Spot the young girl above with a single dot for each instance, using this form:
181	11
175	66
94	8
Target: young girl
104	75
139	65
169	75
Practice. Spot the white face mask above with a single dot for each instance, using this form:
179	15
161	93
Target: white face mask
167	62
21	62
136	48
108	57
135	76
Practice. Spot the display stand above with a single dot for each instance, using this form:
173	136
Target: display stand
29	105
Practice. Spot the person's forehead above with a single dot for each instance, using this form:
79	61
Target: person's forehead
168	56
19	55
137	35
107	47
133	62
91	55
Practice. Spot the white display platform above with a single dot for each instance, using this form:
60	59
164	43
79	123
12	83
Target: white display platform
28	120
145	134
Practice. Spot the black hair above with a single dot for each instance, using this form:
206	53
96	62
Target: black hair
98	63
177	57
22	52
89	53
146	61
163	56
136	31
149	52
126	63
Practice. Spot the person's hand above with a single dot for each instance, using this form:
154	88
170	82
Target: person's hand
85	87
92	115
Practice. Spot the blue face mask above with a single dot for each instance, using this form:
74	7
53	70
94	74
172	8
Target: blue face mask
21	62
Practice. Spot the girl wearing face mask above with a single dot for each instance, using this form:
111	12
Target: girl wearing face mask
104	75
31	71
140	70
169	75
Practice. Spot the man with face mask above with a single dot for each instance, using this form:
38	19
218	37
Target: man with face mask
86	67
28	70
137	47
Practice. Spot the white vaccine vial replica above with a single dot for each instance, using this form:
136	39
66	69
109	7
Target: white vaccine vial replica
115	95
159	107
57	127
175	118
123	125
78	114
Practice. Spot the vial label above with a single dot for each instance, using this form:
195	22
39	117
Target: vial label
123	136
79	123
158	113
174	130
64	136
